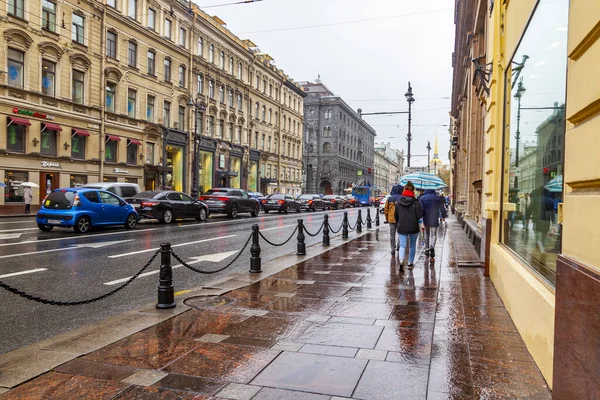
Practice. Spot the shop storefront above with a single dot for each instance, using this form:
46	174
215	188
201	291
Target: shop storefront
207	155
235	166
254	158
175	156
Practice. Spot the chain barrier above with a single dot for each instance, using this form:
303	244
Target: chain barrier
350	227
81	302
338	231
280	244
319	231
188	266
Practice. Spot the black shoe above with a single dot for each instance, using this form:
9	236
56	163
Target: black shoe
432	253
426	252
411	266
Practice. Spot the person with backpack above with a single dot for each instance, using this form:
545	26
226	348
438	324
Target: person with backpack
407	214
388	212
433	206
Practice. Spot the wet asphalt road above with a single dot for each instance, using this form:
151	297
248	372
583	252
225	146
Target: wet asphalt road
62	265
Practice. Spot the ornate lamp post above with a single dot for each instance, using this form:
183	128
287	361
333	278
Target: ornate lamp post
410	99
520	91
199	106
428	155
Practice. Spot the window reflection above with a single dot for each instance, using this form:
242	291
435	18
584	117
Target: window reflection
535	138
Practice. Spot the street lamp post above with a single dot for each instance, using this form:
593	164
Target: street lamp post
307	150
410	99
520	91
428	156
199	106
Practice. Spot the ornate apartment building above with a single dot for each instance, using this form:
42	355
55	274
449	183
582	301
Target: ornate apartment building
125	90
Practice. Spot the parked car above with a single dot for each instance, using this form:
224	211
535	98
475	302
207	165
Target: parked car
121	189
335	202
230	201
352	201
379	199
258	196
311	202
167	206
280	202
84	208
382	203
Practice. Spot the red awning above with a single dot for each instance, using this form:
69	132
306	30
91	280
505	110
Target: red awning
113	138
135	142
52	127
20	121
80	132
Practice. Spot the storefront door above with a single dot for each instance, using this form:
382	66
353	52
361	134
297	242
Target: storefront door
48	182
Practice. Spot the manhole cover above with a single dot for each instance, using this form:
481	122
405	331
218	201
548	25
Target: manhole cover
208	301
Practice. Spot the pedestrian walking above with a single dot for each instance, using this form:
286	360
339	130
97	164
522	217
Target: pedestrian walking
407	215
524	207
541	212
27	196
389	210
433	206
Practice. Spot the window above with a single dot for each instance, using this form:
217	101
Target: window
77	33
150	153
264	86
257	82
132	154
230	97
262	143
111	90
16	61
182	37
181	76
181	118
239	101
132	54
221	126
264	113
230	132
167	28
238	134
110	151
15	137
49	15
327	114
269	144
231	63
48	142
77	146
211	53
270	90
48	71
256	108
13	191
211	89
132	9
78	82
200	47
151	63
200	86
240	71
151	18
211	126
326	147
111	44
167	114
150	109
222	60
167	71
276	118
221	94
131	103
16	8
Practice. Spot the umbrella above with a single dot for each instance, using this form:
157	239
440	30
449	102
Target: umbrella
30	184
555	185
423	181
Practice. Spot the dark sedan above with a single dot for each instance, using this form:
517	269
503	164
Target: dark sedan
230	201
352	201
335	202
167	206
280	202
311	202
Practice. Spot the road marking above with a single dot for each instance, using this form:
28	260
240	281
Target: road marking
77	237
29	271
277	227
175	245
19	230
199	259
181	292
10	236
15	222
75	246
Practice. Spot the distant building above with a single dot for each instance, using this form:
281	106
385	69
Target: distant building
388	166
338	144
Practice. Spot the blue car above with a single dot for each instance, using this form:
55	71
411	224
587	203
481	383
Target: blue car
84	208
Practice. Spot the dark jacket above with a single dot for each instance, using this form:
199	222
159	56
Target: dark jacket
432	206
390	203
408	213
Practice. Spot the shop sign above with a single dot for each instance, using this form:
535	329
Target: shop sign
34	114
359	172
120	171
51	164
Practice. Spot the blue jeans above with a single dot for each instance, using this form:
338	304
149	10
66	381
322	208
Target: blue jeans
402	237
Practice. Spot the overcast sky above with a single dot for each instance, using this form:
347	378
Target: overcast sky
367	63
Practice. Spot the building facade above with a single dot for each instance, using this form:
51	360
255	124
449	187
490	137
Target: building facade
389	166
338	143
175	83
540	177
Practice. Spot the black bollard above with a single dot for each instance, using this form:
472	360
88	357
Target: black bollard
301	250
359	222
326	230
255	251
369	226
166	293
377	218
345	226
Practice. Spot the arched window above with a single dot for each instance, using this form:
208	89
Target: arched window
240	71
264	113
222	60
270	116
231	65
211	53
326	148
200	47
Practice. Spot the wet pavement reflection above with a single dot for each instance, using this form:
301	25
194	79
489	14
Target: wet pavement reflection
346	324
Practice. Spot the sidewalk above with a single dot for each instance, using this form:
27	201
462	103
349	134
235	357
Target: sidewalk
344	324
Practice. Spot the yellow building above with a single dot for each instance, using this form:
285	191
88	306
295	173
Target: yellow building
539	83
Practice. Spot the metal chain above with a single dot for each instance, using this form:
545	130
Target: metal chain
188	266
334	232
350	228
77	303
310	234
280	244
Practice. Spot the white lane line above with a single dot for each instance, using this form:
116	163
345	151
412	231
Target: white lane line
14	222
175	245
19	230
116	282
95	245
76	237
30	271
277	227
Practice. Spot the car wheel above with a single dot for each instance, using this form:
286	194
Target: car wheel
82	225
234	211
45	228
202	215
314	209
299	210
167	216
266	211
131	221
287	209
256	211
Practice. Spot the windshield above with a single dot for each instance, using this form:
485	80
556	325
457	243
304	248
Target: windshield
329	197
306	197
216	192
276	196
149	194
359	191
59	200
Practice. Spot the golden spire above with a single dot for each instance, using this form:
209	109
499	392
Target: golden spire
436	148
